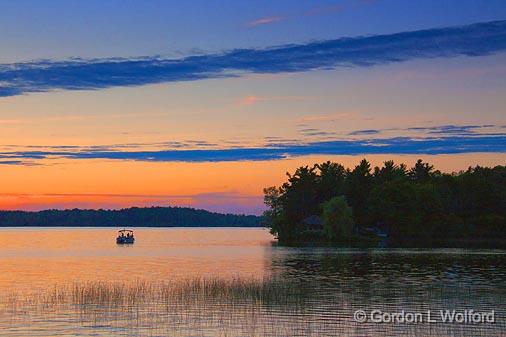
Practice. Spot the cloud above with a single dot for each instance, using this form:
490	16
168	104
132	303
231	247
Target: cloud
12	162
315	132
364	132
452	129
281	150
264	21
440	130
80	74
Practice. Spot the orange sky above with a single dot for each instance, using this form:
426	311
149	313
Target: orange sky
223	186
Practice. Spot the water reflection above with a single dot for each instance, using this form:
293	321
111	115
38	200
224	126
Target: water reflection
393	280
279	291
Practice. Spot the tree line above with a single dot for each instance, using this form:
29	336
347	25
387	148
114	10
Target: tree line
419	206
128	217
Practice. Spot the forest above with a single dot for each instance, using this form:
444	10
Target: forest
128	217
418	206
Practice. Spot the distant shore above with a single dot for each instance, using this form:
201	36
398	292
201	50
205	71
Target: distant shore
128	217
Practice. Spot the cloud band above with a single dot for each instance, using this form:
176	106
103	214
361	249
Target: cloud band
399	145
79	74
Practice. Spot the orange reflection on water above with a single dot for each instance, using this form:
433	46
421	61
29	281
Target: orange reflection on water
42	257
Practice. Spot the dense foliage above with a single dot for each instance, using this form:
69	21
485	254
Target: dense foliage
337	219
138	217
417	206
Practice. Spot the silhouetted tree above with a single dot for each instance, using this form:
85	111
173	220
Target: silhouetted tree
300	194
330	181
422	172
357	189
389	172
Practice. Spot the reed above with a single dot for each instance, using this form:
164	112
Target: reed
198	290
241	306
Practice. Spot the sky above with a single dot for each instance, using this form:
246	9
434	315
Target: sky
111	104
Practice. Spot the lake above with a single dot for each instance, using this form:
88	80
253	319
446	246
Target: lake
238	282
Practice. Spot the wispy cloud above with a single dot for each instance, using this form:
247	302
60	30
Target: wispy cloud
418	131
451	129
13	162
78	74
364	132
264	21
440	130
278	150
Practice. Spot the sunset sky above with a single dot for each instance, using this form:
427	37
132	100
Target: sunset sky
110	104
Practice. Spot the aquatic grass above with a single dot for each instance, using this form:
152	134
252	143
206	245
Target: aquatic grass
249	306
197	290
204	303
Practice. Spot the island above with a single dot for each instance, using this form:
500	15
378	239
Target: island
389	206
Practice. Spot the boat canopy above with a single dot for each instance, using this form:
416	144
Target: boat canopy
125	231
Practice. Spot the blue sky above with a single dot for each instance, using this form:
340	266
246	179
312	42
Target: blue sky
61	29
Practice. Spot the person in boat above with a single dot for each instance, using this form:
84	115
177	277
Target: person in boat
125	236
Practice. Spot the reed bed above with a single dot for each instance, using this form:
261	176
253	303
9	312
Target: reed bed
197	290
245	307
242	305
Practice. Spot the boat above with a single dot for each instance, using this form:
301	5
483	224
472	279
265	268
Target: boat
125	236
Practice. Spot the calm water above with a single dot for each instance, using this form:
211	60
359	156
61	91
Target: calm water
335	283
